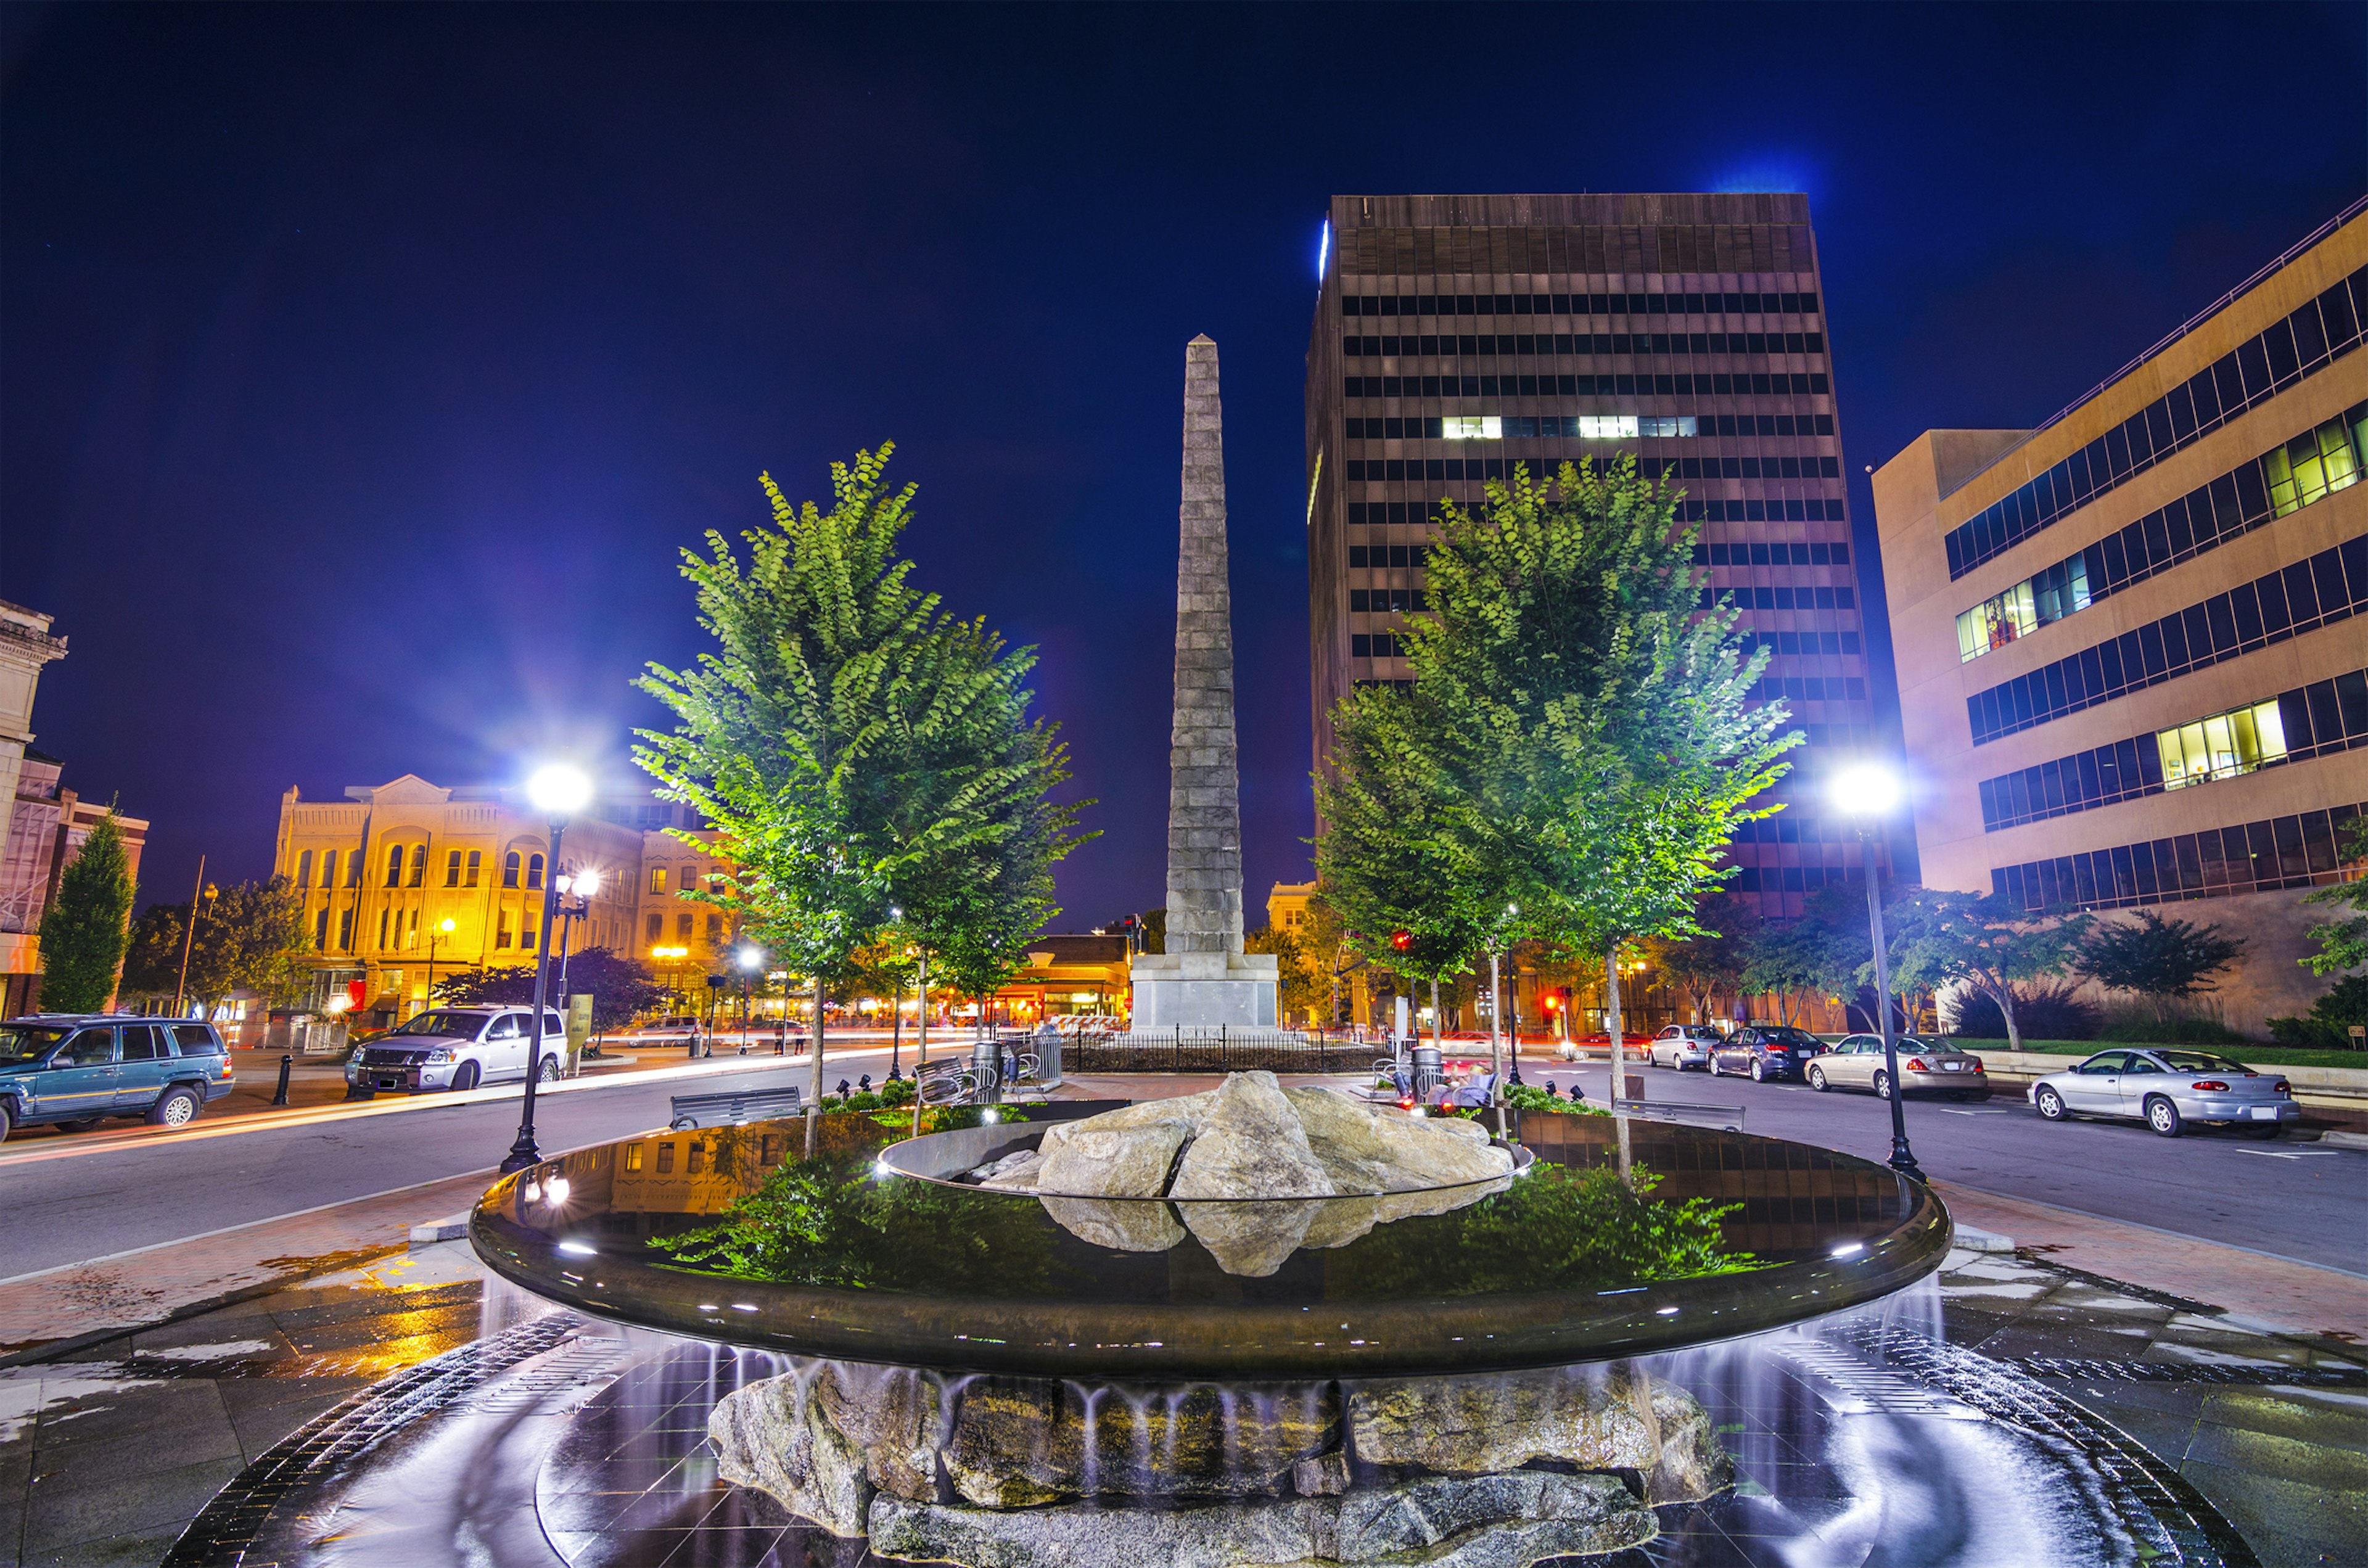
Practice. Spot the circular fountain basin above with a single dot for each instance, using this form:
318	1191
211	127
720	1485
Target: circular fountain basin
1610	1241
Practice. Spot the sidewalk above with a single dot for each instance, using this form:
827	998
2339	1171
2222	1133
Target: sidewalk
2272	1294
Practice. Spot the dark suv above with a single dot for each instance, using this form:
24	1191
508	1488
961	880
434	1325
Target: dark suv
1765	1051
75	1069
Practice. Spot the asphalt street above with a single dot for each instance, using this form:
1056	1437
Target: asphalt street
67	1205
72	1199
2303	1202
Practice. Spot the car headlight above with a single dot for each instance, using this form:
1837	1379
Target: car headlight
440	1053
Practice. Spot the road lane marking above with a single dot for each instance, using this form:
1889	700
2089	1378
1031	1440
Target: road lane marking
1960	1110
345	1110
250	1225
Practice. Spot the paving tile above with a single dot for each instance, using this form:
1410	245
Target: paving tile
173	1416
141	1550
139	1501
2307	1463
2291	1414
2302	1524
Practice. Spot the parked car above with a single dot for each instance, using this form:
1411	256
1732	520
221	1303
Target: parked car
2167	1089
73	1071
1765	1051
1681	1046
677	1028
1926	1066
458	1048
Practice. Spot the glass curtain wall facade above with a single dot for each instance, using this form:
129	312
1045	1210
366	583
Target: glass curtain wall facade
1457	338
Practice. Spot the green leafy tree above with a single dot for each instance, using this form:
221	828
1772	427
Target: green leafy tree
1580	740
2159	958
86	929
1386	857
1710	961
621	986
1305	991
858	747
1939	938
2343	942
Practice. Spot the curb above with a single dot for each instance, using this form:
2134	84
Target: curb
452	1228
1973	1240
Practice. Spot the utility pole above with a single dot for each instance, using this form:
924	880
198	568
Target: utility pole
189	936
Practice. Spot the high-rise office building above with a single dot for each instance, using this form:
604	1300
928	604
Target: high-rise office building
2130	667
1459	336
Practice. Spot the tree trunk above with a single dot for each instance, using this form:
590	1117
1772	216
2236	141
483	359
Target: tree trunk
2005	994
1611	1013
1437	1019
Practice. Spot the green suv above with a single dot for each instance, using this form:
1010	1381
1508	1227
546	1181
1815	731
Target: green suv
73	1069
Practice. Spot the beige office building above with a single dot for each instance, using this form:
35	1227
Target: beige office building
2133	642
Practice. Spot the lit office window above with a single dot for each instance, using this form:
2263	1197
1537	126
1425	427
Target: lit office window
1471	427
2222	746
657	878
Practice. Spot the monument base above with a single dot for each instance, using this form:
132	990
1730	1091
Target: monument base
1206	991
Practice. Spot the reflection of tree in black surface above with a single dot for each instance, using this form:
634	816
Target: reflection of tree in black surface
1554	1229
833	1221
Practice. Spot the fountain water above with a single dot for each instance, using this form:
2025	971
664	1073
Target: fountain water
981	1373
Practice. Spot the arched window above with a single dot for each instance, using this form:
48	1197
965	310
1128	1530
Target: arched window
510	869
395	865
418	864
534	871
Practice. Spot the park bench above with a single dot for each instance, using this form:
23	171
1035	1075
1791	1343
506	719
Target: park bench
730	1107
1728	1117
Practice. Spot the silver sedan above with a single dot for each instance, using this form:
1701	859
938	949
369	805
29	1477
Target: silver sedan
2167	1089
1682	1046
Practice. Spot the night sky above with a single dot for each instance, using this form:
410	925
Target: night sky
362	370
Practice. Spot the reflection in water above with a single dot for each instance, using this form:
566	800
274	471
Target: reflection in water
833	1221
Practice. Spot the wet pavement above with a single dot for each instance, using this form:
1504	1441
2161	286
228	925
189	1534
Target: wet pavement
324	1410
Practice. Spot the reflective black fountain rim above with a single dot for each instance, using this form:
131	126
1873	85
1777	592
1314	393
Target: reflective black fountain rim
1618	1240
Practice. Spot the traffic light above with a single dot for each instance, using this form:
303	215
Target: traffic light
1402	941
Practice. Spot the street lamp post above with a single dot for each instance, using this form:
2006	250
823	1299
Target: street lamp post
559	791
750	961
579	888
1869	794
435	934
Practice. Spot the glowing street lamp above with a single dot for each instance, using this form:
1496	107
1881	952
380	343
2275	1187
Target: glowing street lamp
435	934
559	791
1869	792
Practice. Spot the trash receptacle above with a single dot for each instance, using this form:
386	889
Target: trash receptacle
1426	1071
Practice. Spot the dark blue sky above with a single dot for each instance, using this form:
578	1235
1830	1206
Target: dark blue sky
362	370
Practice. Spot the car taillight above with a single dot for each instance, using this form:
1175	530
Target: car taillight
226	1068
2281	1087
1972	1063
2212	1086
1915	1064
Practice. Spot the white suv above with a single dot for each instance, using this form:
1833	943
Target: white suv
459	1048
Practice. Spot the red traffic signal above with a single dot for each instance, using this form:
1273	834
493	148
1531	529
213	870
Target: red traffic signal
1401	941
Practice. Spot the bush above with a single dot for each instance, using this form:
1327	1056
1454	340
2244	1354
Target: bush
2147	1024
897	1092
1526	1097
2048	1011
2328	1025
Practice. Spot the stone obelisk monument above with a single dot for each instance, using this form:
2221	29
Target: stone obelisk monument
1204	980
